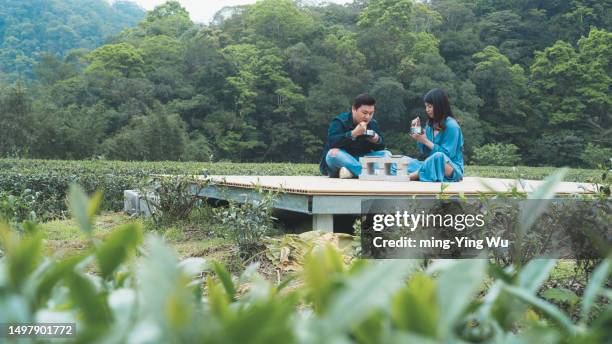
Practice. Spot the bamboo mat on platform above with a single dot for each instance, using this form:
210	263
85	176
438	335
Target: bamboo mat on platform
318	185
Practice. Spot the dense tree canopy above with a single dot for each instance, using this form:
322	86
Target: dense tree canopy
31	28
261	82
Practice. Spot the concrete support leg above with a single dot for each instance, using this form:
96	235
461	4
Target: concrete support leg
323	222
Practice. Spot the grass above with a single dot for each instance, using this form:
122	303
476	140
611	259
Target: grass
67	229
191	238
63	237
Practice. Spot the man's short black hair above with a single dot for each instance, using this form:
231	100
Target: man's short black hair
363	99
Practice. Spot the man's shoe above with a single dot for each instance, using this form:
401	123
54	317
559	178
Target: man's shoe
344	173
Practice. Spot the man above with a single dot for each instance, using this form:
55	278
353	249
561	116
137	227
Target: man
351	135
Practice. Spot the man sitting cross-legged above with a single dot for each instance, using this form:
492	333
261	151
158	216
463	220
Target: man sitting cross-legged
351	135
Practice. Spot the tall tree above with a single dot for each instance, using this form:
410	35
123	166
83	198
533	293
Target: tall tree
503	88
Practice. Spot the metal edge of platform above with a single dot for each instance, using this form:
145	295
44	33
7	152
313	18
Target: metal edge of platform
402	194
306	204
221	181
350	204
286	201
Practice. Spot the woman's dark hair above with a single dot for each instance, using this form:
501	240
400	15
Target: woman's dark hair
363	99
441	107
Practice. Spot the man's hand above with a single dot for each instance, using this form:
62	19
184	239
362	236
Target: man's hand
375	138
360	129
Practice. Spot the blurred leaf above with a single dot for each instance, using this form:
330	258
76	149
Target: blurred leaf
94	307
117	246
498	272
264	321
22	254
122	303
322	269
414	307
82	208
226	280
30	227
535	273
456	288
597	283
365	292
55	273
561	294
217	299
531	211
14	308
193	266
399	337
166	290
94	204
371	329
504	308
553	312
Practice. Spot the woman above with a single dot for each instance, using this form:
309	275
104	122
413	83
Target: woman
442	141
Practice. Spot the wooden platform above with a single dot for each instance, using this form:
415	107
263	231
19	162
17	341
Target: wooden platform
318	185
326	198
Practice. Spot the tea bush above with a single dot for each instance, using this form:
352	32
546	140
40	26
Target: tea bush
498	154
248	222
18	208
50	178
161	299
171	198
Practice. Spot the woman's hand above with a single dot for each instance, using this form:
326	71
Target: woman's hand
422	138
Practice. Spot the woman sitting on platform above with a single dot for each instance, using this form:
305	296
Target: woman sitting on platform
442	141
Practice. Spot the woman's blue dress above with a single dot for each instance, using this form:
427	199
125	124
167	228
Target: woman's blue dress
448	147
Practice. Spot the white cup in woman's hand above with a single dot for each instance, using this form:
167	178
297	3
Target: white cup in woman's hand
415	128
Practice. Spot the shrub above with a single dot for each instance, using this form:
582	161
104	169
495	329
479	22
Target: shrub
594	155
171	198
247	223
18	208
51	178
497	154
563	149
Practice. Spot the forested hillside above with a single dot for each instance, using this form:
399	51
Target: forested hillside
29	29
528	79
